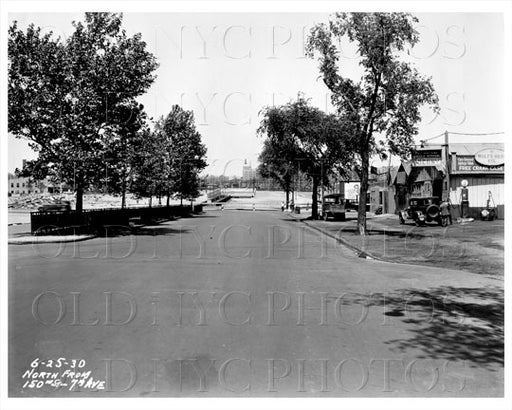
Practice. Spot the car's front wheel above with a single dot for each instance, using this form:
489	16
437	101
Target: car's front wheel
420	223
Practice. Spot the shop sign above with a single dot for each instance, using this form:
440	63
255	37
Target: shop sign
469	164
490	157
426	157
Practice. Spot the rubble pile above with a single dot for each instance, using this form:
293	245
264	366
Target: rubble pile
33	202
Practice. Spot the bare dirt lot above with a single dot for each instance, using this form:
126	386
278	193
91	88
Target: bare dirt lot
476	246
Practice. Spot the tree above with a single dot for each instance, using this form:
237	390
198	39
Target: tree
278	158
299	135
125	145
63	95
277	162
147	179
387	98
183	153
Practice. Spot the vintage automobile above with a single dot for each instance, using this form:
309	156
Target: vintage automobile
421	210
353	205
333	207
59	206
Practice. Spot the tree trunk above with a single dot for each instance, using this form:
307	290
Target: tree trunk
363	193
150	201
123	196
168	200
79	199
287	198
314	199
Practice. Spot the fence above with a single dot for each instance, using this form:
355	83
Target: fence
93	220
214	195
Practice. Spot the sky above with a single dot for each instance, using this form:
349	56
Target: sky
227	66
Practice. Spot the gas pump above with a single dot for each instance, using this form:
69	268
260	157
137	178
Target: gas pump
464	199
489	213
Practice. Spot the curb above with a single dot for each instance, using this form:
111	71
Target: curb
30	240
360	253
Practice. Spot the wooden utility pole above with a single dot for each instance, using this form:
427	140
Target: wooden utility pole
322	184
447	163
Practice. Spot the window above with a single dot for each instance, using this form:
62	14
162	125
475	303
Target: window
17	184
12	184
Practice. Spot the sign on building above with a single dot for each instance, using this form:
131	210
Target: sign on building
490	157
426	157
470	164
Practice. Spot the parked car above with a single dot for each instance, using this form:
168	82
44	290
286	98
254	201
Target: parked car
60	206
334	207
353	205
422	210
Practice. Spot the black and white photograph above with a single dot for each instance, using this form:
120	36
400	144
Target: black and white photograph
291	200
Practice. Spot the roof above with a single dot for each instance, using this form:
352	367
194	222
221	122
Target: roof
407	168
473	148
392	173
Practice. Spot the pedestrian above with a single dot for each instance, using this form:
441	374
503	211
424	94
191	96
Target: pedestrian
282	206
445	208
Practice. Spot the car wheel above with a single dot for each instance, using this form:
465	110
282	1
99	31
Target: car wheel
342	217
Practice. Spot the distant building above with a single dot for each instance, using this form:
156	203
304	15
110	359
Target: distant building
28	186
22	186
248	173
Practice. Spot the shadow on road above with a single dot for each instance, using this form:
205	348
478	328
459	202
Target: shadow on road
451	323
156	228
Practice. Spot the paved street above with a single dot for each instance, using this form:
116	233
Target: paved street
242	303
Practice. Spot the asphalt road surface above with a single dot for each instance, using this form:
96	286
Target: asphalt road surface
243	303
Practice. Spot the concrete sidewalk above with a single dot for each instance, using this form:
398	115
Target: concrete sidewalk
20	234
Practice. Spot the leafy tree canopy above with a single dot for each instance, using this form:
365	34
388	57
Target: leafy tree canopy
386	100
302	136
66	97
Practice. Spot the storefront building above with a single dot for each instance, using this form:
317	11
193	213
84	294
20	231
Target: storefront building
468	172
481	167
427	174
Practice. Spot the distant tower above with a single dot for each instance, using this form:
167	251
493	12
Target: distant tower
247	172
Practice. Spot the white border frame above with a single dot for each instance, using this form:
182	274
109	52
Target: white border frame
214	6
